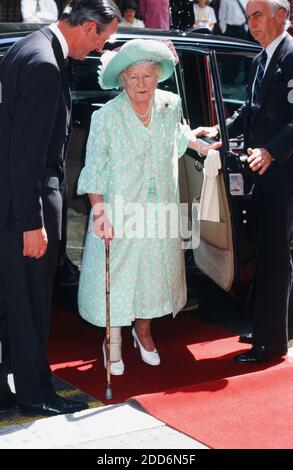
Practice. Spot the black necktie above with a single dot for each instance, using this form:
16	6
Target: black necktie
259	76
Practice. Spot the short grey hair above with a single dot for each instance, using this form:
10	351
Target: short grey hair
103	12
158	70
281	4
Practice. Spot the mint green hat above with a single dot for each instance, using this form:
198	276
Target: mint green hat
131	53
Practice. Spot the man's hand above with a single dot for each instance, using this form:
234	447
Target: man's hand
35	243
210	132
259	159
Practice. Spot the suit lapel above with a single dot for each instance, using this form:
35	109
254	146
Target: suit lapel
251	78
57	49
64	77
268	77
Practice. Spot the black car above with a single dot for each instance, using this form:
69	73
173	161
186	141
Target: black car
225	252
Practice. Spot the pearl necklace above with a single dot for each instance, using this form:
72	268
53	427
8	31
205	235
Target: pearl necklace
144	115
148	120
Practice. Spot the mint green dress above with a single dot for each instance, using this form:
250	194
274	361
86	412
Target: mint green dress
130	163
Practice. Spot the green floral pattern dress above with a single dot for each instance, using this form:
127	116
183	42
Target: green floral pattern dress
139	165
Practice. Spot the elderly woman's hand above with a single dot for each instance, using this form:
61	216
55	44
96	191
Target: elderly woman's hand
205	148
201	147
102	227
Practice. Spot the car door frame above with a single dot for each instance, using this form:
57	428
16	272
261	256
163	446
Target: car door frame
234	208
242	207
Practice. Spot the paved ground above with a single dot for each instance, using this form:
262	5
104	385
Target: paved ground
109	427
122	426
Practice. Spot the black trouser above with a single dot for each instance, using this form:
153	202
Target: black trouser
63	242
25	304
273	278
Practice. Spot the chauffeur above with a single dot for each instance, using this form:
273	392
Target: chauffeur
266	120
34	128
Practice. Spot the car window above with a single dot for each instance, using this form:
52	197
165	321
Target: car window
169	85
83	77
87	95
195	92
233	70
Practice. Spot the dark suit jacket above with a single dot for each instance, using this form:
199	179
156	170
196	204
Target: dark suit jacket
34	132
270	124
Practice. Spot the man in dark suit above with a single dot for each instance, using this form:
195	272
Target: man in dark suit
35	123
266	120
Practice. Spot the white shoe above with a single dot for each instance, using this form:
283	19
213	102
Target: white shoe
116	368
150	357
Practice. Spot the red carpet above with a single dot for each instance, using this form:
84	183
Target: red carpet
213	399
244	412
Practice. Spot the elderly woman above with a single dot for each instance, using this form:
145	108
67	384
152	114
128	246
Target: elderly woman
131	166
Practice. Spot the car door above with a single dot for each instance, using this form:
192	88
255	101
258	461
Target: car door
224	250
239	184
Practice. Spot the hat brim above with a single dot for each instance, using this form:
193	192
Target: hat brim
134	52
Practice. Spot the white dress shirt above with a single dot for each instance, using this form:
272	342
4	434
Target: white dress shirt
231	13
48	11
270	49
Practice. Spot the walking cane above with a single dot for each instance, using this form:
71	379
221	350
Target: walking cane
108	388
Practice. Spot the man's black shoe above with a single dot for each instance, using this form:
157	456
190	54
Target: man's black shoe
56	406
8	400
258	354
246	338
